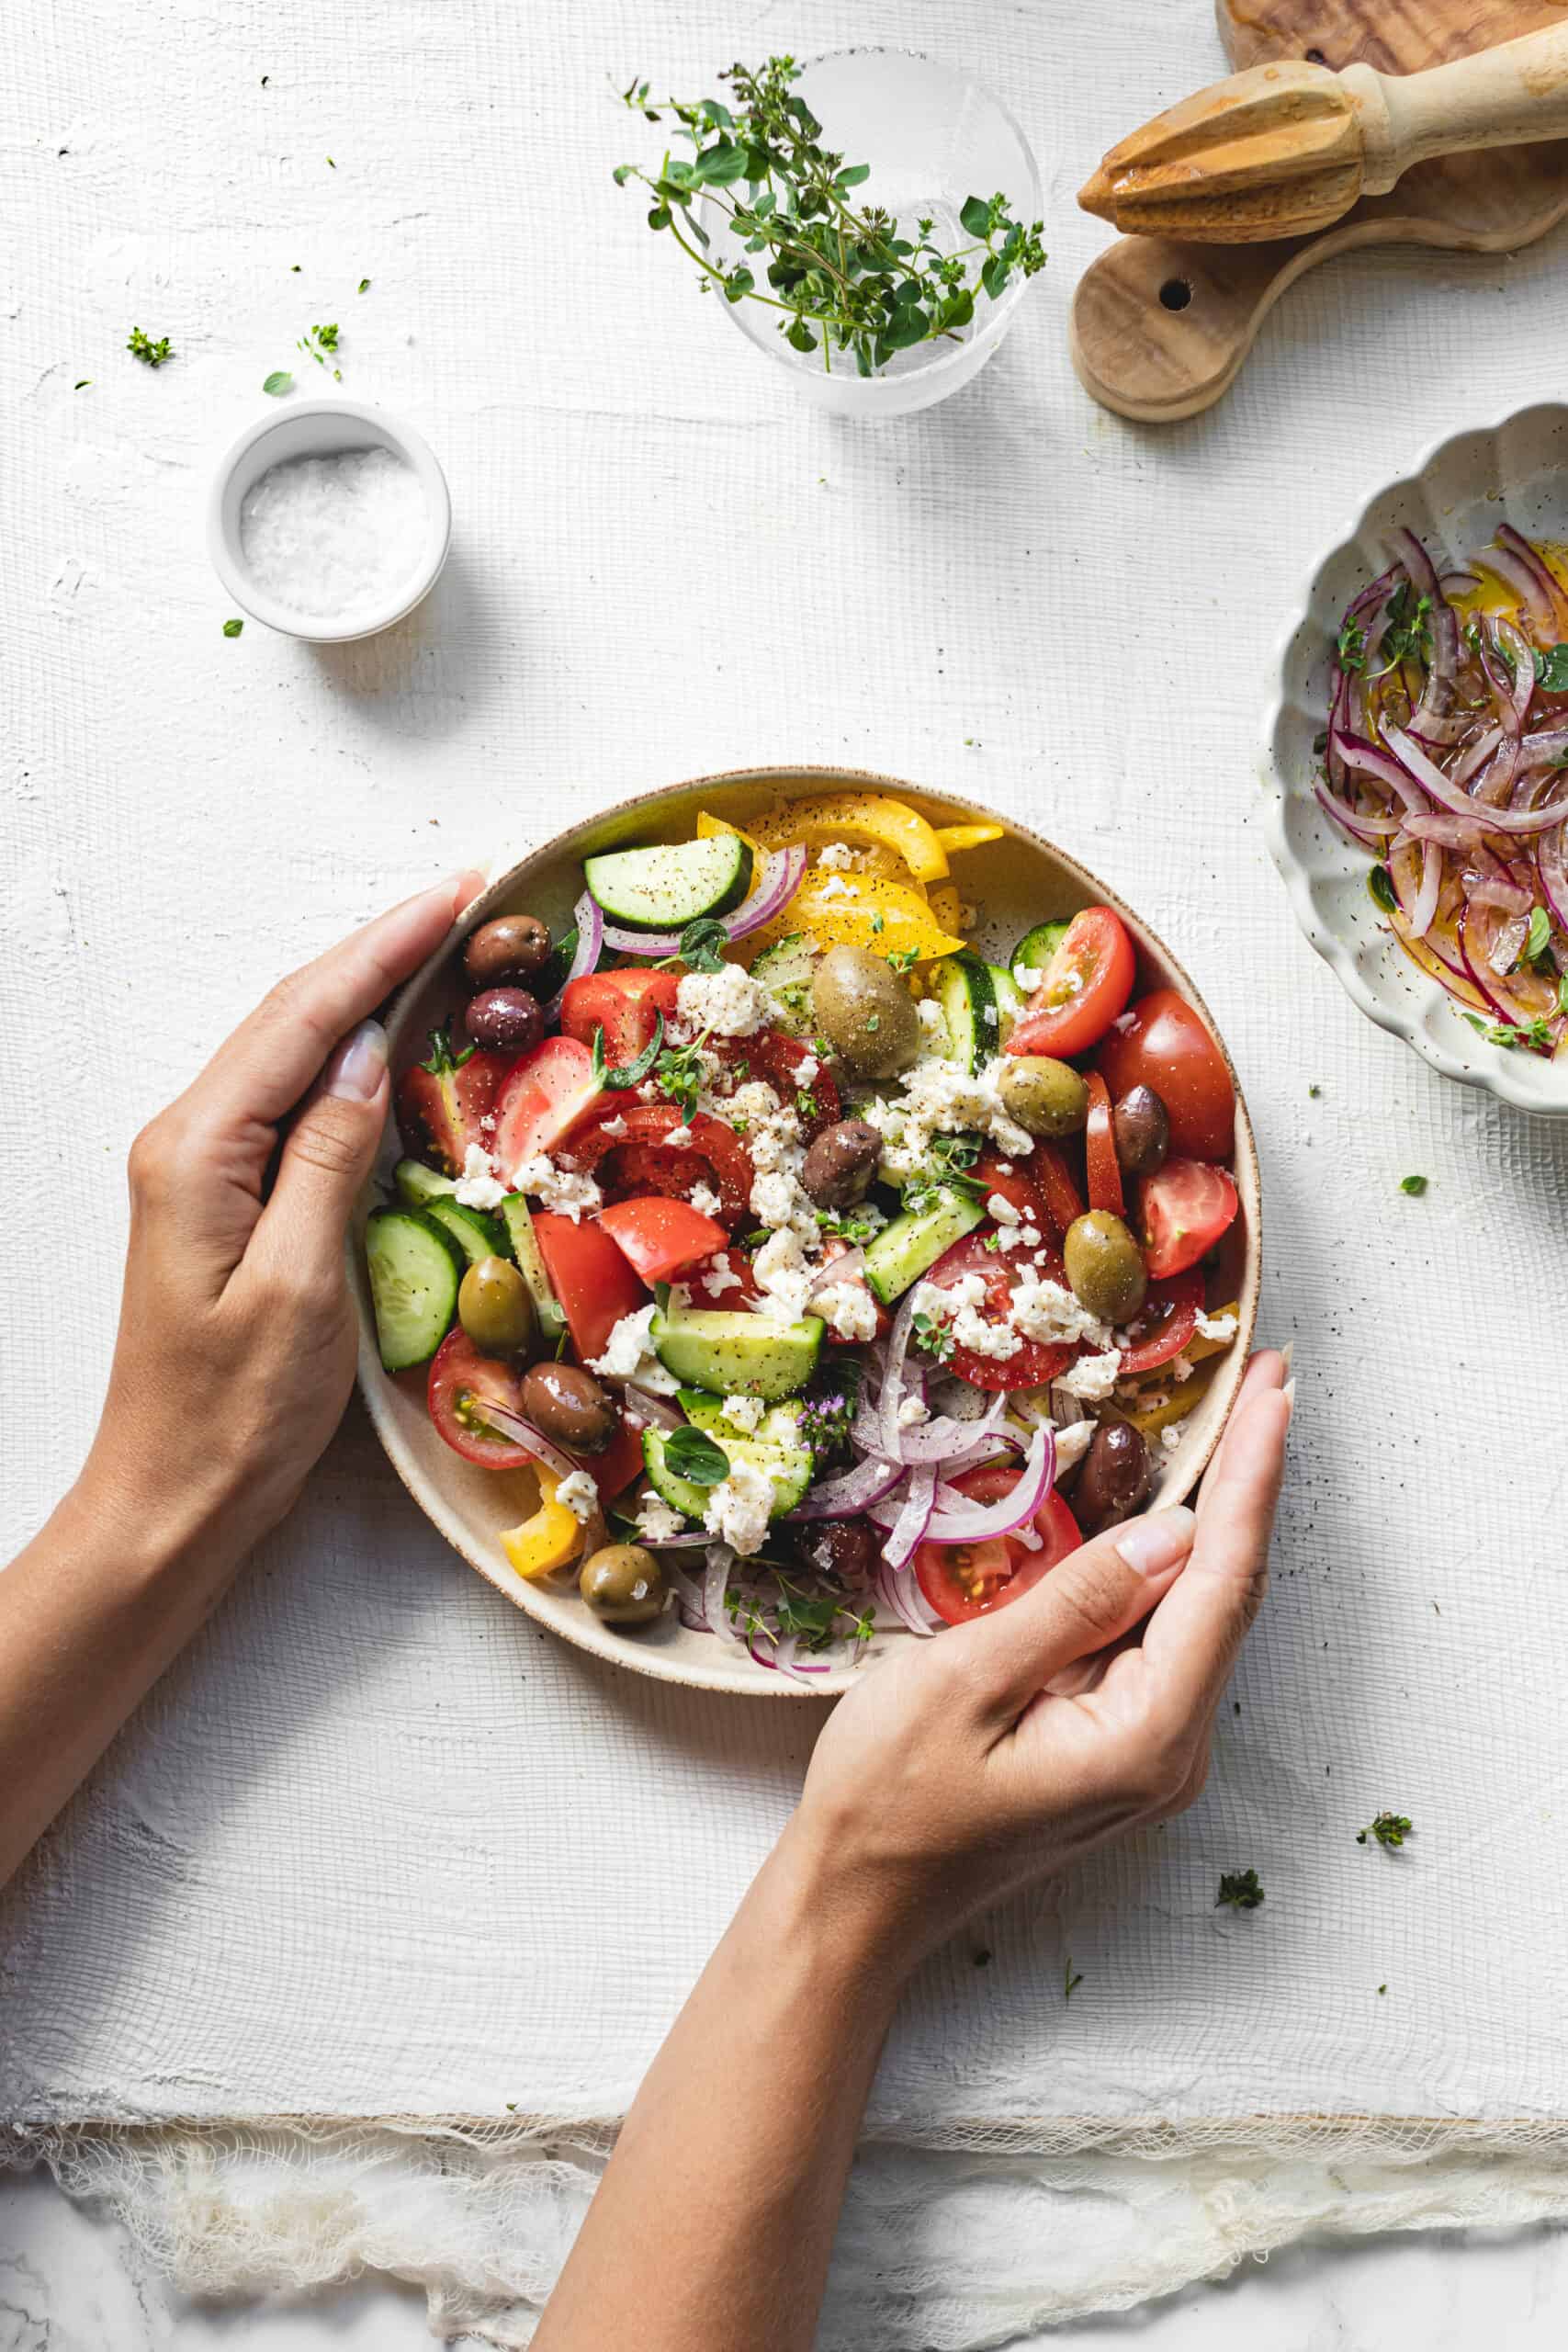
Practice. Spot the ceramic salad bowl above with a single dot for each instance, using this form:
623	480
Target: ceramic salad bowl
1514	473
1015	882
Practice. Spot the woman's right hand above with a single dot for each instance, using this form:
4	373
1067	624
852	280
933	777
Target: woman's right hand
1017	1743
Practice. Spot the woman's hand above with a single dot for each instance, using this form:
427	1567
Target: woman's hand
1001	1752
1013	1745
237	1338
233	1363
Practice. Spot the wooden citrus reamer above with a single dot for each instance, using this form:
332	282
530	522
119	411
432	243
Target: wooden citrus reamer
1162	324
1282	150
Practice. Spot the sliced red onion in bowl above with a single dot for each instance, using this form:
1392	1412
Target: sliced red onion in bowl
1546	596
1515	573
912	1521
1551	865
978	1522
851	1494
779	879
1432	780
590	925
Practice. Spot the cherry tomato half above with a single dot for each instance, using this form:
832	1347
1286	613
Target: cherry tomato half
661	1236
1100	1150
964	1581
1163	1325
1162	1044
1184	1208
773	1054
460	1380
644	1160
454	1107
547	1092
1033	1362
625	1005
1087	982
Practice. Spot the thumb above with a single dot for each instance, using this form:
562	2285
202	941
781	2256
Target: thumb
328	1154
1089	1599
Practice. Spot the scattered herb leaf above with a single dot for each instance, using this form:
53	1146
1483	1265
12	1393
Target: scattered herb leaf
1389	1829
625	1074
1241	1889
232	628
1381	884
1413	1185
151	354
1551	668
278	382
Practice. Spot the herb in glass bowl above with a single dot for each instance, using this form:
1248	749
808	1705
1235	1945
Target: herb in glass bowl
844	276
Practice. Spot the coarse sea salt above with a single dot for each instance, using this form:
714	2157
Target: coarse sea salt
336	534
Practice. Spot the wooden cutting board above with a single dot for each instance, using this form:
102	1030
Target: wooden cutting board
1160	330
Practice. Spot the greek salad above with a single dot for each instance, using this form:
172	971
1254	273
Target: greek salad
829	1276
1444	757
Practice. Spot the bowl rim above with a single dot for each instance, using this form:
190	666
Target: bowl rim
1493	1068
314	629
374	1384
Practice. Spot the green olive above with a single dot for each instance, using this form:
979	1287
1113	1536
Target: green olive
1045	1097
865	1011
494	1309
624	1584
1105	1266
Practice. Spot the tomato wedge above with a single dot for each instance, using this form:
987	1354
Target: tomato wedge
625	1005
1016	1184
595	1283
741	1288
1087	982
1099	1149
1162	1044
1033	1362
965	1580
460	1380
661	1236
451	1104
547	1092
643	1160
1185	1206
1164	1324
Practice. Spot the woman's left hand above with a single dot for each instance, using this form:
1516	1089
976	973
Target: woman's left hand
237	1336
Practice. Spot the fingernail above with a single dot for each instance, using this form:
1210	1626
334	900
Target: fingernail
1287	1355
1289	1394
355	1068
464	888
1149	1546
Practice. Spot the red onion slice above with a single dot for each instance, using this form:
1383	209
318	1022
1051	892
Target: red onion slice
590	925
1432	780
1518	576
715	1583
851	1494
977	1522
913	1518
947	1440
1546	748
779	879
500	1417
842	1268
1357	754
893	1374
1551	865
1545	595
1366	828
655	1412
898	1593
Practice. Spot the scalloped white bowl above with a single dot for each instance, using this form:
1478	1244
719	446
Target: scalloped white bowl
1518	471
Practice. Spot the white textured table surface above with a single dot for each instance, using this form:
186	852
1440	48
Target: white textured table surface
663	566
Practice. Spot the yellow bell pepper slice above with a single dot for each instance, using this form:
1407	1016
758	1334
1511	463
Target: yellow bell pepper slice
859	910
947	906
1199	1349
957	837
863	817
709	826
548	1540
1182	1400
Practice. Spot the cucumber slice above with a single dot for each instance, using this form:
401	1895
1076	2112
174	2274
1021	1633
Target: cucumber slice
738	1355
903	1250
785	970
417	1185
477	1233
665	887
1009	1000
962	986
1035	950
789	1467
780	1424
414	1267
531	1265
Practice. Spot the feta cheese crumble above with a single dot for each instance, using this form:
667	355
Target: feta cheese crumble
912	1412
561	1189
729	1002
580	1495
941	1098
835	857
657	1524
744	1413
1171	1437
628	1354
848	1309
1216	1327
1049	1312
1092	1377
479	1186
739	1507
705	1201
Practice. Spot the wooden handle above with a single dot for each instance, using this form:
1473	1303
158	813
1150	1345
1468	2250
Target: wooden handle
1159	329
1508	97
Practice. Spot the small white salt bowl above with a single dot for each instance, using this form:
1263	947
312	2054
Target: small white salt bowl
325	428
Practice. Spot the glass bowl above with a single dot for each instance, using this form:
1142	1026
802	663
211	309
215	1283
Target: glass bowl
932	137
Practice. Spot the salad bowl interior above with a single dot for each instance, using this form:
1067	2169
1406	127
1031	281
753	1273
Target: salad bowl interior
1514	473
1012	883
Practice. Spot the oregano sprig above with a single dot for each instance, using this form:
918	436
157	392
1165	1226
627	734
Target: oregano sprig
843	276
